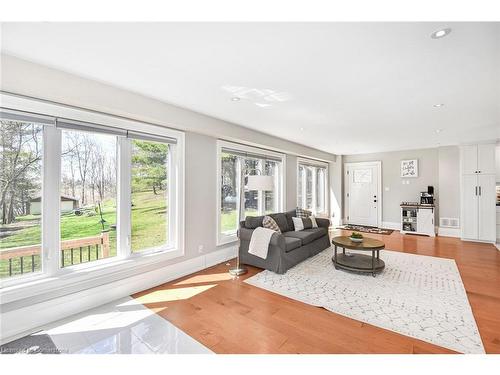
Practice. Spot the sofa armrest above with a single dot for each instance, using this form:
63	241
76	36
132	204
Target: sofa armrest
323	223
245	234
278	240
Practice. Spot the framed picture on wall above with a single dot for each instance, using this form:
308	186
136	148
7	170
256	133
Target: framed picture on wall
409	168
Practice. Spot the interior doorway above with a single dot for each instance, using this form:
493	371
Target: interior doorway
363	193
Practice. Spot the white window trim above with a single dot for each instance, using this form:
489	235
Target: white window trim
313	162
53	277
223	239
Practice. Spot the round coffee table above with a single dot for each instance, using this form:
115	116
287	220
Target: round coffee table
358	262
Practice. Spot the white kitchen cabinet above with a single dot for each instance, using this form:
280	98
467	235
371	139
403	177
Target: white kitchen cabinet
469	159
478	194
470	207
486	158
478	158
487	207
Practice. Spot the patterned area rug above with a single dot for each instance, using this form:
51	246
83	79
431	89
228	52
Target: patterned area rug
418	296
363	228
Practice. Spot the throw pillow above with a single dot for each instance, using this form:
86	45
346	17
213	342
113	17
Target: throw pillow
270	223
300	212
313	220
301	223
297	223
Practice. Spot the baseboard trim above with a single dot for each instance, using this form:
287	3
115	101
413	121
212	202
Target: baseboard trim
391	225
26	320
449	232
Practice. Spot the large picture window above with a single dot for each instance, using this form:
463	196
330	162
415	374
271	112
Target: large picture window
234	162
80	194
312	186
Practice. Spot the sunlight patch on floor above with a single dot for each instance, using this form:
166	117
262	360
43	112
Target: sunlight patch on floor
214	277
177	294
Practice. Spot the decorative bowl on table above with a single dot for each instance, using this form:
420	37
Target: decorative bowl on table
356	237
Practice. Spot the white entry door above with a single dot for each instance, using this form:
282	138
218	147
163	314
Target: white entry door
363	188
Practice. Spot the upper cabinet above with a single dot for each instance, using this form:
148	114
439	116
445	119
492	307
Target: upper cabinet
478	159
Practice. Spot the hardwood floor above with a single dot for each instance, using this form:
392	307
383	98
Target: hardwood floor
229	316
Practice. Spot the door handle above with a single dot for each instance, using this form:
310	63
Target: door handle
479	190
476	190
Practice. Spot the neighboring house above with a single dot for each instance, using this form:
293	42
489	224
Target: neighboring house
67	204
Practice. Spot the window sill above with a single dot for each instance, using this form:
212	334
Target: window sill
225	240
77	279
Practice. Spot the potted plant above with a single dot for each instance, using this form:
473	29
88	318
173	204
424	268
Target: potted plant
356	237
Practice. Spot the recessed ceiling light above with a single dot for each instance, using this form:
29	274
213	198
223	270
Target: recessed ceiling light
439	105
440	33
439	130
235	99
301	129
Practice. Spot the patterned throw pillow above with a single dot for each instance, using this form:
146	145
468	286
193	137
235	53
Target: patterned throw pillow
270	223
300	212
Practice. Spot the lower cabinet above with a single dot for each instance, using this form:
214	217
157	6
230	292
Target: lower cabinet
418	220
478	207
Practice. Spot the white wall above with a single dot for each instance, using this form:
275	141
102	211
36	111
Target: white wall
393	191
449	181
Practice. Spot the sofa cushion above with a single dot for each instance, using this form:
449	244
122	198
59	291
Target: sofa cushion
289	215
252	222
280	219
292	243
308	235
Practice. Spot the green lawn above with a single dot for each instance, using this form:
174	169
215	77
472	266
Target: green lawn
148	227
229	222
149	220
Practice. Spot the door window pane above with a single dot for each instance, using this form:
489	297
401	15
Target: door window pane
20	198
87	197
150	179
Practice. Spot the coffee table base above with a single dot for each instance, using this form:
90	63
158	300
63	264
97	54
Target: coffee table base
358	263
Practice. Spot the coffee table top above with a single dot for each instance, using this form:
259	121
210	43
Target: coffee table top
368	243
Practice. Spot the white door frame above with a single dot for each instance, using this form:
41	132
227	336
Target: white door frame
347	167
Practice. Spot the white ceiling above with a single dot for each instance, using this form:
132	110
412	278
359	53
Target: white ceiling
339	87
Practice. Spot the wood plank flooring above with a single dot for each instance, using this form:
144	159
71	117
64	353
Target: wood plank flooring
229	316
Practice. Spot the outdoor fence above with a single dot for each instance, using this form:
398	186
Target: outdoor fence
86	249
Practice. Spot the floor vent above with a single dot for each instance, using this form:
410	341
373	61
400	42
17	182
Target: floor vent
449	222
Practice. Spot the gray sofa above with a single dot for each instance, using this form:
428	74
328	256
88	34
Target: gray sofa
286	249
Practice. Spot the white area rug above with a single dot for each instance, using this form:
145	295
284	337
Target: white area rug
418	296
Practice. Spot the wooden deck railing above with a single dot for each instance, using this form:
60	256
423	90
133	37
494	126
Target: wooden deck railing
84	247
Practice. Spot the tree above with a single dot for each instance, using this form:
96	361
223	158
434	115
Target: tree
20	156
149	162
81	146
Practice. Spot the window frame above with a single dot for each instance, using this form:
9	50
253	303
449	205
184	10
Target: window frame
315	164
52	276
223	239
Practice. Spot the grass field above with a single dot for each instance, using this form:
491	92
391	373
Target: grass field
149	229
